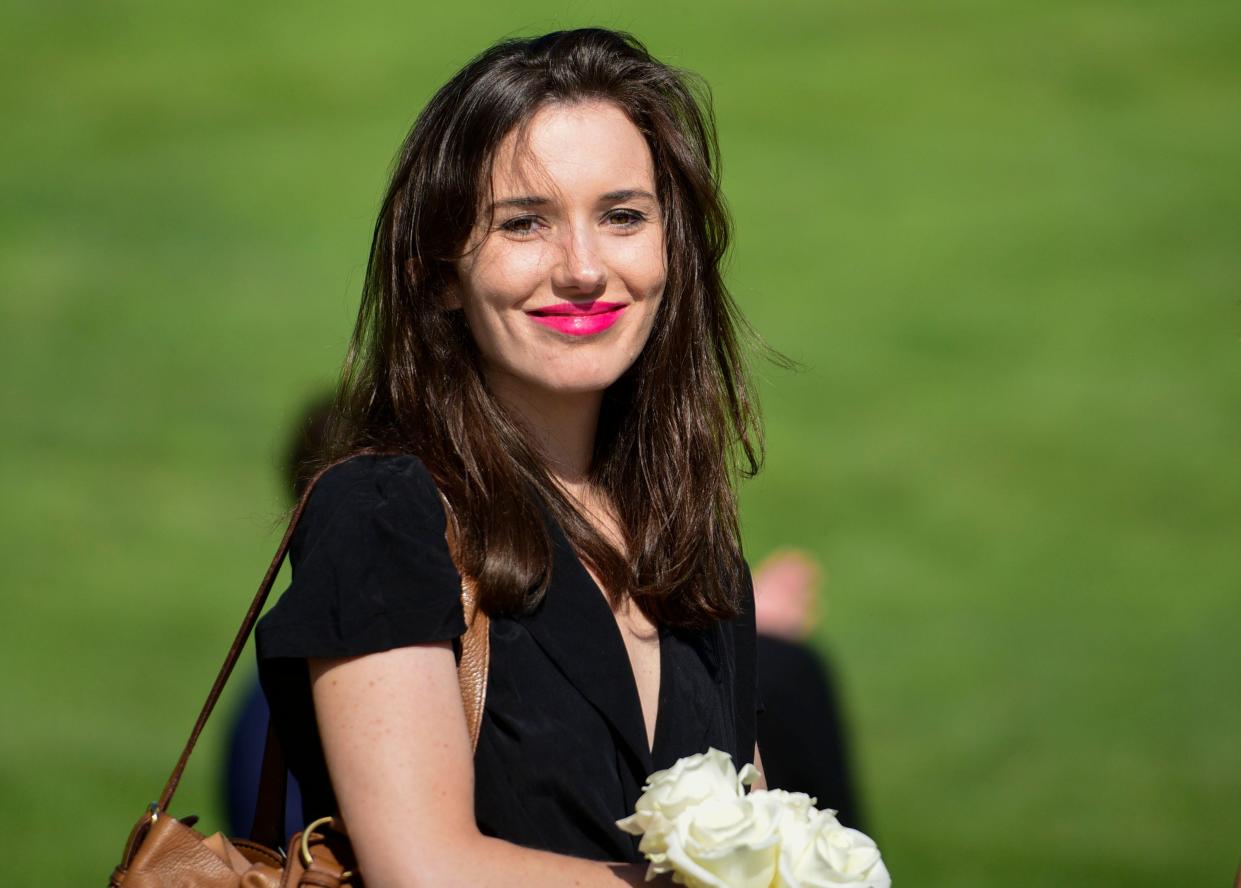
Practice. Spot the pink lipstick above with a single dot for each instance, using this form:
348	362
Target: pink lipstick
578	318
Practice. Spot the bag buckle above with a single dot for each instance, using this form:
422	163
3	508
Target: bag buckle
304	850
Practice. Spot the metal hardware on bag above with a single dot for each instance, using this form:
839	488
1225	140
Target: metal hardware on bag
307	860
153	811
304	851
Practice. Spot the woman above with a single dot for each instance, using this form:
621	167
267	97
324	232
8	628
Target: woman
545	345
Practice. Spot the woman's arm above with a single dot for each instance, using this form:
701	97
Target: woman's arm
398	752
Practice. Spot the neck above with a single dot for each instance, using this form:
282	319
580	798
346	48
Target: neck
563	425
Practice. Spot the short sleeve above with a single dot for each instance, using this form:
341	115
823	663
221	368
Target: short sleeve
371	568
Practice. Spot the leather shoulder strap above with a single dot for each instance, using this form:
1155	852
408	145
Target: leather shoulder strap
471	670
475	643
475	662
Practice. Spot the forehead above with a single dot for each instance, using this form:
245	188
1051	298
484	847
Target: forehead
573	150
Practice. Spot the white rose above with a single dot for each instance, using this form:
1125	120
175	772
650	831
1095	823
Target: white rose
725	843
797	826
797	802
818	852
668	793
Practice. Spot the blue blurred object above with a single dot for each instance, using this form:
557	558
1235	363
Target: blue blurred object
245	762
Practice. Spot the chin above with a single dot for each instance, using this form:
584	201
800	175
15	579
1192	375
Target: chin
580	386
570	380
581	374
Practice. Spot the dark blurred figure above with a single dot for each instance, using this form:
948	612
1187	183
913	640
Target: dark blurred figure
801	731
249	729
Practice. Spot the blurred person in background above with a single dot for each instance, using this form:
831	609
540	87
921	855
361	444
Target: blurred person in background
802	728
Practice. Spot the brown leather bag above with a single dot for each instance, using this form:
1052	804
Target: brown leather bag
164	852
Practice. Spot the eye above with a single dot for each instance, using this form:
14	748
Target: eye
626	218
522	226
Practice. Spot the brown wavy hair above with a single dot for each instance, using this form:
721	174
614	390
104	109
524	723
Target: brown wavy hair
674	432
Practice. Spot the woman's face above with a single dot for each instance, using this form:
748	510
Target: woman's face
562	288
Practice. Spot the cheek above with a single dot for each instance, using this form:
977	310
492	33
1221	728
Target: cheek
498	281
644	264
506	273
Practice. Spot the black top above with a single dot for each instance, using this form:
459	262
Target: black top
562	752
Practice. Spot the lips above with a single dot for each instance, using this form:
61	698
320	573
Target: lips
578	318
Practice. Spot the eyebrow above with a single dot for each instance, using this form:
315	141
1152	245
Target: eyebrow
534	200
627	194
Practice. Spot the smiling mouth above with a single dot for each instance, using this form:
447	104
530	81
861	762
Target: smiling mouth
578	319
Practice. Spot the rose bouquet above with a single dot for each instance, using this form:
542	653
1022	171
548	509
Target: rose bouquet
698	823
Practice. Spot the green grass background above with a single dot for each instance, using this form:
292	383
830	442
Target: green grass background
1003	238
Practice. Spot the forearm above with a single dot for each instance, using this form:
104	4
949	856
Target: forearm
483	861
404	780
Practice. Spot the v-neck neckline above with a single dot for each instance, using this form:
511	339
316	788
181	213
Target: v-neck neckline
652	744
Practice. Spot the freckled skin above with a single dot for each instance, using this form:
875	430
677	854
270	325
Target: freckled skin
579	246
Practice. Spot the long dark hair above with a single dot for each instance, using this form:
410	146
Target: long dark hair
674	431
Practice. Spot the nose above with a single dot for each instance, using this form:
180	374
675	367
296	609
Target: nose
579	267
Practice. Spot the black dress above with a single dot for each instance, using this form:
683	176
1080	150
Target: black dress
562	753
